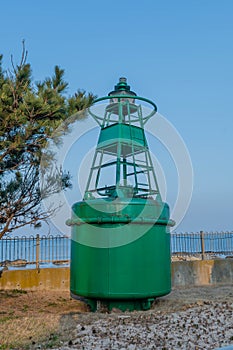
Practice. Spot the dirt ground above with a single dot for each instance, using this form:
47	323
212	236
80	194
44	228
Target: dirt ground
42	320
28	318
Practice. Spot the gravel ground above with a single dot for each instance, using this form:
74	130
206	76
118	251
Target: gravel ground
195	318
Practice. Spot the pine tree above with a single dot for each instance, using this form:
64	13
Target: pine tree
29	114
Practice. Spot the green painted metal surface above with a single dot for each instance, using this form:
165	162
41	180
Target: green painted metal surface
120	248
139	270
132	139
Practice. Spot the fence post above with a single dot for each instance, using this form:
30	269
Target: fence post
202	245
37	251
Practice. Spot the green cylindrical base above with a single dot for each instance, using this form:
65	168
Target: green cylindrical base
124	276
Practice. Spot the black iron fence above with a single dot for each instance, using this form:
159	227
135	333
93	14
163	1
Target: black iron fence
202	245
55	250
34	250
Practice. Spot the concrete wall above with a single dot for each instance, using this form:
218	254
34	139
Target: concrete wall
202	272
32	279
184	273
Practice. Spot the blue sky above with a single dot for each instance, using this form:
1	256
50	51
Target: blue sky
177	53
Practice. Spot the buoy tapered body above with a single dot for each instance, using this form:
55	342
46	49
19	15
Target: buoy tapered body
120	248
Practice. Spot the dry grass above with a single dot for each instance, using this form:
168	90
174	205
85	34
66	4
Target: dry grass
27	318
23	331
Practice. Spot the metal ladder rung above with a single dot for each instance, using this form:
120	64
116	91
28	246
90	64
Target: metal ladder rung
143	167
141	161
137	172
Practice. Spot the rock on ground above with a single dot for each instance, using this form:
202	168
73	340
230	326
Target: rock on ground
203	319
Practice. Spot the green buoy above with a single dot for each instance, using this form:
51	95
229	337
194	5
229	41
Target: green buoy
120	247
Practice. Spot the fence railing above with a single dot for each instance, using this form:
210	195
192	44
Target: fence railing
202	245
34	250
55	250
